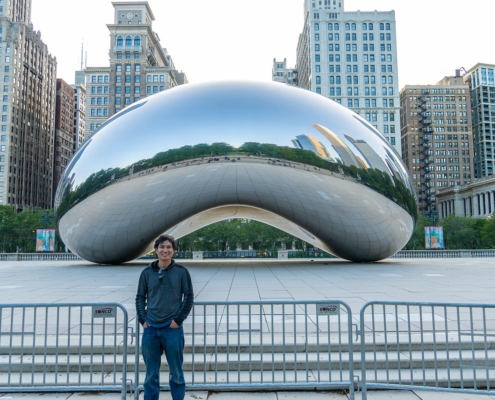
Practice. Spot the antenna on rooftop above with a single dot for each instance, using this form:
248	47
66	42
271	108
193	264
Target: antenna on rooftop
82	53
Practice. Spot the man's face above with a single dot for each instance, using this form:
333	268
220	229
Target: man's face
165	251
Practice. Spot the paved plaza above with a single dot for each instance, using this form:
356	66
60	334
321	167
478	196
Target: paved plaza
465	280
437	280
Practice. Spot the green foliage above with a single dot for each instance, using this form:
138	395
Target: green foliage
458	233
18	231
417	241
488	233
242	233
462	232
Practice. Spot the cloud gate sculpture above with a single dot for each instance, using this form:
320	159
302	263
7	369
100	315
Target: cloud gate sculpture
200	153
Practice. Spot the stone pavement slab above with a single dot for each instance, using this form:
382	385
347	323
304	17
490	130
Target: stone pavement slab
430	395
243	396
311	396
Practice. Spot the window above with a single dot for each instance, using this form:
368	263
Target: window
127	89
317	47
370	26
381	26
118	79
120	42
387	27
118	90
317	36
127	56
118	100
317	68
318	90
127	100
347	27
317	58
317	27
136	56
365	26
330	27
93	79
118	67
128	79
128	41
128	68
137	40
137	89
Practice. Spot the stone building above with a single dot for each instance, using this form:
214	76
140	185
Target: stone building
437	140
138	65
64	130
27	111
351	57
475	199
281	73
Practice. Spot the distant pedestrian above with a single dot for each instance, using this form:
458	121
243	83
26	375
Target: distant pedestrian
163	301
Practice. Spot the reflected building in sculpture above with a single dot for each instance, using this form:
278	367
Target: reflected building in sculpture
310	143
122	190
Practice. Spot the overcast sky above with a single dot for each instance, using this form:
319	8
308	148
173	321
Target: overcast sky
234	39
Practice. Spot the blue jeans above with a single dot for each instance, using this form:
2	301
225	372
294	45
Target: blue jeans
156	341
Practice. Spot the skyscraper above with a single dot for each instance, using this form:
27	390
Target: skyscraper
139	66
481	81
351	57
79	109
64	130
437	140
28	110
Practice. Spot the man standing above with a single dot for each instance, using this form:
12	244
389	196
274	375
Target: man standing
163	301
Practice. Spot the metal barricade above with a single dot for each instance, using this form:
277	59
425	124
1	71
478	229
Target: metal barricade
432	346
50	347
264	345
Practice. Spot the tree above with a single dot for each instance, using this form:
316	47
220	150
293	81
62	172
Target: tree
417	241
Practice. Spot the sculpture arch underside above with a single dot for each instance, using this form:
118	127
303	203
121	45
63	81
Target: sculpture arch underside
120	222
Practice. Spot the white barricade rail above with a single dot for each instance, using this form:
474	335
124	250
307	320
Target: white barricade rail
432	346
267	345
65	347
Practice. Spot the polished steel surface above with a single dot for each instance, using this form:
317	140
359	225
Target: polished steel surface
200	153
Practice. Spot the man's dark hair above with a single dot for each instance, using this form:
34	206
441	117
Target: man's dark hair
164	238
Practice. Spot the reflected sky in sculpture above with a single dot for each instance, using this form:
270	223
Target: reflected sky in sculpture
294	156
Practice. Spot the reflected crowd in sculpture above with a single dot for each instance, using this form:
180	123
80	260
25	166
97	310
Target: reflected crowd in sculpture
200	153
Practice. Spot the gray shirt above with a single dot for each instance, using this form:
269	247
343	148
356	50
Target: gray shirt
165	296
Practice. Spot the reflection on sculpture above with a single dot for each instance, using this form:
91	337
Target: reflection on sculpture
196	154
